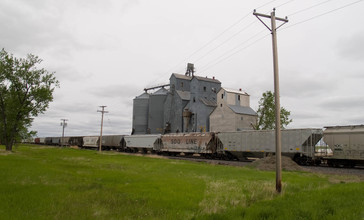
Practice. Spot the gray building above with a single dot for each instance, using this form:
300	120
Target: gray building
190	102
201	104
191	105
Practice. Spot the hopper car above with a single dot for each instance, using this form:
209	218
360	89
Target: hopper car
346	142
347	145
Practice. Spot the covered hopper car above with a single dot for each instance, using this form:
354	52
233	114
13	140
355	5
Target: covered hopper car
347	145
346	142
191	143
144	143
299	144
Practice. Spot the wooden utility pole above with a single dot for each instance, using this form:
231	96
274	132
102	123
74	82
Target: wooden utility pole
102	121
273	30
63	124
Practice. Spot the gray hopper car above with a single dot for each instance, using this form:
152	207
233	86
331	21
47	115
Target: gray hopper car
113	142
347	145
142	143
299	144
55	141
91	141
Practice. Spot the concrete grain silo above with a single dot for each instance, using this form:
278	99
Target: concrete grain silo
140	114
156	111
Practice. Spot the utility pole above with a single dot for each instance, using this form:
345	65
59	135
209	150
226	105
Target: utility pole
63	124
102	121
273	30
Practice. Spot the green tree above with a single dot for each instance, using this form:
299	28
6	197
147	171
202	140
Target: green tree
266	113
25	92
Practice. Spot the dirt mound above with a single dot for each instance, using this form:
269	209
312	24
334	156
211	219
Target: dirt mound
269	163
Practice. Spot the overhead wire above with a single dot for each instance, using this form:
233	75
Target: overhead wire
278	6
308	8
215	38
320	15
224	42
222	58
229	52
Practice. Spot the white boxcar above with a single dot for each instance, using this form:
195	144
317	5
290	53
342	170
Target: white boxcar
257	143
346	142
91	141
142	142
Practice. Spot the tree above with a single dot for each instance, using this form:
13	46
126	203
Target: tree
266	113
25	92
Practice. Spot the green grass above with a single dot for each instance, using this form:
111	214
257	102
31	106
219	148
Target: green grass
63	183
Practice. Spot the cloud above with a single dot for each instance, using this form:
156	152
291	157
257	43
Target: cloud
299	84
352	47
114	91
342	103
41	27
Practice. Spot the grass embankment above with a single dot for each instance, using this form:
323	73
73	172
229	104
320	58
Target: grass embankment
63	183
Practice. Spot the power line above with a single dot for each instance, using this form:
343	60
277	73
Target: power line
231	50
215	38
256	41
320	15
208	43
308	8
224	42
206	67
284	3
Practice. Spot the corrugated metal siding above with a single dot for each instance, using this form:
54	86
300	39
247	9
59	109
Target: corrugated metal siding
346	142
142	141
293	141
112	140
156	113
91	141
189	143
140	114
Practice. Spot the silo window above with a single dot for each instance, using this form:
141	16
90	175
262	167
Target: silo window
239	97
204	88
241	118
194	100
222	95
181	84
220	105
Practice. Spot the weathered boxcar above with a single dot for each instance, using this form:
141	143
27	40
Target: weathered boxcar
56	141
347	144
48	141
37	140
91	141
298	144
64	141
42	140
113	142
75	141
144	143
191	143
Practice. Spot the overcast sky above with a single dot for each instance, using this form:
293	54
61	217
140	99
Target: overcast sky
106	52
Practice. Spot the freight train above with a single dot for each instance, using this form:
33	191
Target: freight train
346	144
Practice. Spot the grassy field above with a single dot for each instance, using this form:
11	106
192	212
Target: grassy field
63	183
